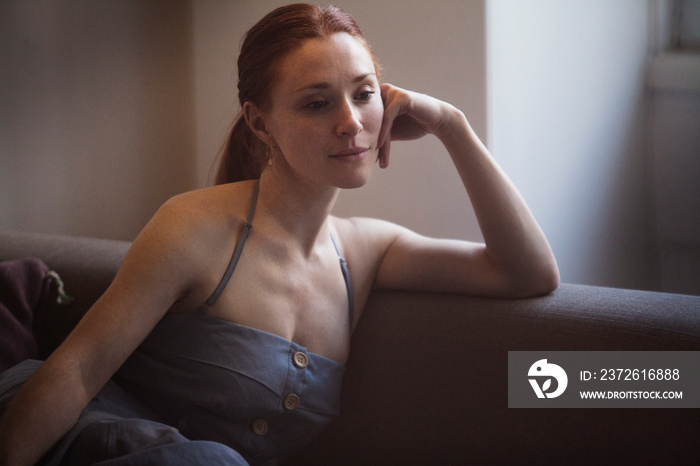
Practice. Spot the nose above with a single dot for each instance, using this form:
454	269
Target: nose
349	123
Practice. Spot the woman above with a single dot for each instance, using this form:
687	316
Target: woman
248	366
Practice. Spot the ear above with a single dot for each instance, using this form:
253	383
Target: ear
257	123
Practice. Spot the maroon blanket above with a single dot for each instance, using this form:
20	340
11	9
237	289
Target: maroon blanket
24	289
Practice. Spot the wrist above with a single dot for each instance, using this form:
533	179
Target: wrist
455	129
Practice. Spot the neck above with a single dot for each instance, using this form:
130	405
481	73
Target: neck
296	209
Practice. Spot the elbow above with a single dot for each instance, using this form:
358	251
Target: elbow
542	281
549	282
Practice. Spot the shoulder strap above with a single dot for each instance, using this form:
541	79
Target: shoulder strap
236	254
348	283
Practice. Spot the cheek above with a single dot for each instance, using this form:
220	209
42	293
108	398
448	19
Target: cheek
373	118
287	129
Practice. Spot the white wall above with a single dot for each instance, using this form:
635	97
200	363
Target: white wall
566	121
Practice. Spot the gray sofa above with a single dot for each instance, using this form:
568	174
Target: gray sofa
426	382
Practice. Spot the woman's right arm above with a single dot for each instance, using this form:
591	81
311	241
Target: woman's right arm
151	278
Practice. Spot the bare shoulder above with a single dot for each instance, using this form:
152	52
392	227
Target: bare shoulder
366	236
193	218
208	211
202	206
364	243
188	233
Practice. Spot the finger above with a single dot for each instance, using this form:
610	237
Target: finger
384	155
392	109
387	119
384	132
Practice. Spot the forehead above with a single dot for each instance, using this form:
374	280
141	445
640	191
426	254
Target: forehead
332	59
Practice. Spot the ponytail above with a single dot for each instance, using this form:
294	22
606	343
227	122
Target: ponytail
243	157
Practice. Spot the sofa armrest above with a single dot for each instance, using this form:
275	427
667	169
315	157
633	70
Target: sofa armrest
426	382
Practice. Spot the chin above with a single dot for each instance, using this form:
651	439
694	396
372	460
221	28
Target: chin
352	185
358	180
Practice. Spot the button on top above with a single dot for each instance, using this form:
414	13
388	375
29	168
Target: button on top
259	427
291	401
300	360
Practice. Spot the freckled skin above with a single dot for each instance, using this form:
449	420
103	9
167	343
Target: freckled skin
327	101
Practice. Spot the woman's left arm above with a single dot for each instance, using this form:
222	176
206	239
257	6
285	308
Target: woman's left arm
515	259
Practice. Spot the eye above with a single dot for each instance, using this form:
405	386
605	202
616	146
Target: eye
366	95
316	105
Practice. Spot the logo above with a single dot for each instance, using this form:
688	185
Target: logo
545	372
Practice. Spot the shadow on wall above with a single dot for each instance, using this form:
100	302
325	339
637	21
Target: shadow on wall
675	168
96	118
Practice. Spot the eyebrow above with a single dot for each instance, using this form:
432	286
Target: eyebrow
326	85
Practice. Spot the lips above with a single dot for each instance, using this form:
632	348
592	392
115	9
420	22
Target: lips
352	153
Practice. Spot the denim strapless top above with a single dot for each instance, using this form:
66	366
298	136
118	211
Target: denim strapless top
257	392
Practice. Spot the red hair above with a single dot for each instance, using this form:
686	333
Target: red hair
264	46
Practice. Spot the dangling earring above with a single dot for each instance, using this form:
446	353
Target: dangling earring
268	150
